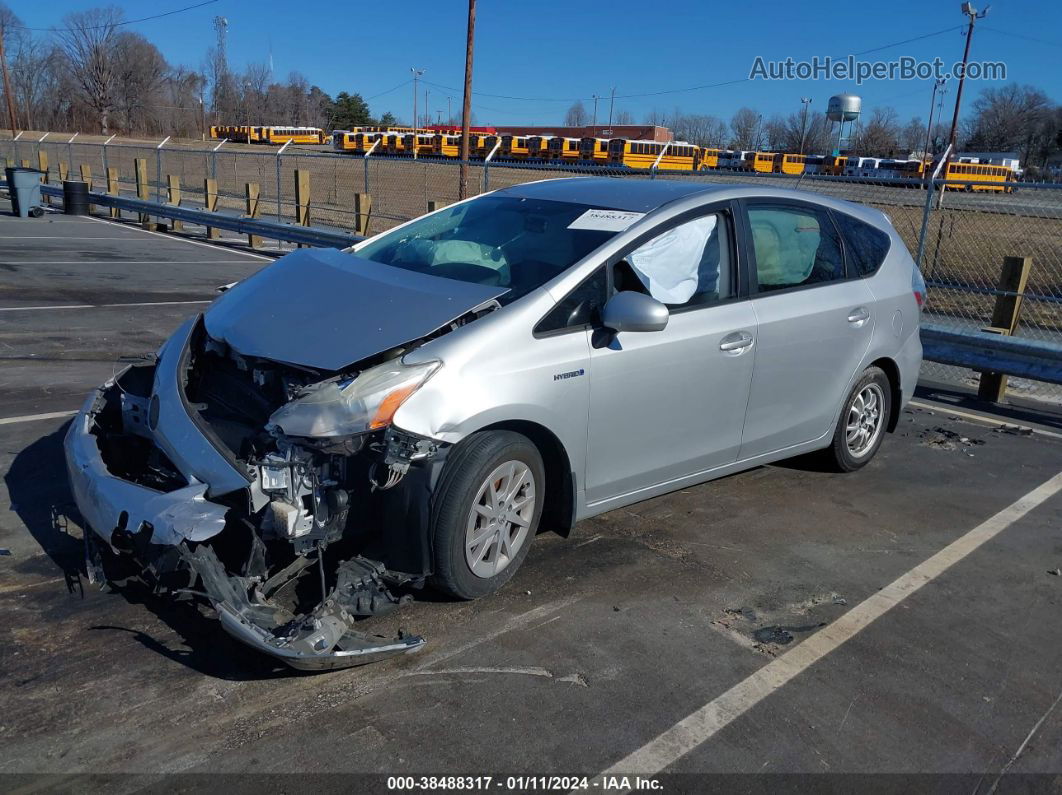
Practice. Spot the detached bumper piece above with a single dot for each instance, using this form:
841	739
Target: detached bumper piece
321	640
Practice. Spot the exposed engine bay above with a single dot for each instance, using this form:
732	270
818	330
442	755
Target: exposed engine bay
333	525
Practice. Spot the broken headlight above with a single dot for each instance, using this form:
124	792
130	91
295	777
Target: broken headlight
346	407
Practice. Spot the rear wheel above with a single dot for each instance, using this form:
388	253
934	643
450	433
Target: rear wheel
487	512
861	426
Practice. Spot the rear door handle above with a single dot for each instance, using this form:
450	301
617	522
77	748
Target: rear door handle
736	342
859	315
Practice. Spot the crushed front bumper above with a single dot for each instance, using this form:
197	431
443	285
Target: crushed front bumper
170	531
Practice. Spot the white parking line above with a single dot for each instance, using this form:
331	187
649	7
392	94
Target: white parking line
101	306
702	725
171	237
944	408
52	415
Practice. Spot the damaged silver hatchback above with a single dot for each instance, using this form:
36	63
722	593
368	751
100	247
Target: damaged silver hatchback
346	427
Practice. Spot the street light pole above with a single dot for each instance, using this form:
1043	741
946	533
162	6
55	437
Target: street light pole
805	101
466	109
972	13
416	74
937	85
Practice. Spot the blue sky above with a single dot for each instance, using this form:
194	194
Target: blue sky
552	52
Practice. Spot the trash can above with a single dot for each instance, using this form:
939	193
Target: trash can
24	186
75	197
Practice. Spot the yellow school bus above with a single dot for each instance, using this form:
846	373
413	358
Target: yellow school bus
593	150
973	174
760	162
283	135
835	165
393	143
564	149
425	143
645	154
538	147
707	158
446	145
513	147
789	164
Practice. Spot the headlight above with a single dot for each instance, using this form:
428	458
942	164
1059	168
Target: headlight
363	404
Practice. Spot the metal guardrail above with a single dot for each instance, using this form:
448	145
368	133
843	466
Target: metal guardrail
986	352
291	233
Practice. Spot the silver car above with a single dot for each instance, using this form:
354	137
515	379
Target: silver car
346	427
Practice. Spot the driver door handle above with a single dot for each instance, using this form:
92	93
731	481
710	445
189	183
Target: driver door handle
736	342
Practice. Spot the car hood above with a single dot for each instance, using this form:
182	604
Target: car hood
326	309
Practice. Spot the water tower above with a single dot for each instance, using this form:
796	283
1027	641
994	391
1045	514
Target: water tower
843	108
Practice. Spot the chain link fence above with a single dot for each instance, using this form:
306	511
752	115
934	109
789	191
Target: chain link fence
965	230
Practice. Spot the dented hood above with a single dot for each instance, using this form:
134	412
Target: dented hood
325	309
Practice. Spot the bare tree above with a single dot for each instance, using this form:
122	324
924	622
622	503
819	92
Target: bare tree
576	116
745	129
87	38
1011	118
623	117
880	136
140	72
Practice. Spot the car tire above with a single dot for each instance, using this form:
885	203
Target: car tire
511	464
862	423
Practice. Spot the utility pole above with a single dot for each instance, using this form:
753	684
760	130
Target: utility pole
938	84
7	84
466	109
972	13
416	74
449	112
805	101
611	103
427	112
594	124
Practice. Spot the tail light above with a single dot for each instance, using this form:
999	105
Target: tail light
918	285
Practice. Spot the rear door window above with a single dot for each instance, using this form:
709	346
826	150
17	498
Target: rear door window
794	245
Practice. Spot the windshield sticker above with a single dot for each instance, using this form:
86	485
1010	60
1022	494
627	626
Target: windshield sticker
605	220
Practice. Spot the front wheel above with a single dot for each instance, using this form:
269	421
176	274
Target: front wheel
487	511
862	423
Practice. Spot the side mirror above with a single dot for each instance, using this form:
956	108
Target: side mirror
630	311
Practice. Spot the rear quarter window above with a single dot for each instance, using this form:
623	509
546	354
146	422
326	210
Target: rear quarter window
865	246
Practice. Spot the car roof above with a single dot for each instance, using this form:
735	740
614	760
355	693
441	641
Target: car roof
634	195
647	195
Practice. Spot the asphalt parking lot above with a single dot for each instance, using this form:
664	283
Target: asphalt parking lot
903	619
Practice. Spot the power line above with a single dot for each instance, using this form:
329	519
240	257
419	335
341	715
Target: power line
388	91
120	24
688	89
1021	36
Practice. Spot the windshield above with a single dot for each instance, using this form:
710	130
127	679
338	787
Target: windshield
496	240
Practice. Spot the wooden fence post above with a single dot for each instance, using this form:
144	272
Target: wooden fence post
210	204
112	189
1006	314
64	171
173	196
434	204
25	164
142	189
42	164
302	198
86	177
362	213
253	211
